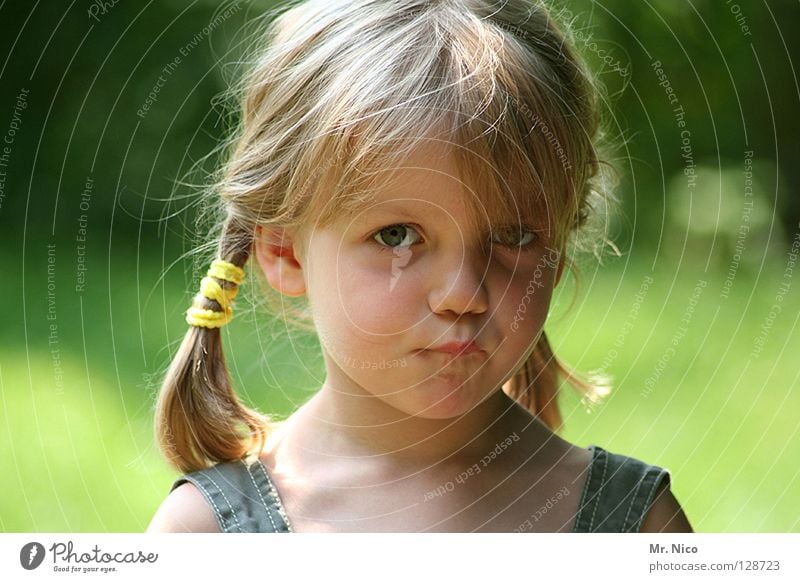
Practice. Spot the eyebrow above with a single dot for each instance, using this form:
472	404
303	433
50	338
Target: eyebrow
405	210
394	207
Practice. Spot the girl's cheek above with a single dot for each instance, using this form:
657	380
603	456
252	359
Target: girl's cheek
378	299
527	300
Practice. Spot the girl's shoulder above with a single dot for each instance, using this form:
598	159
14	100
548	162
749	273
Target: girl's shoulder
619	494
238	496
626	494
185	510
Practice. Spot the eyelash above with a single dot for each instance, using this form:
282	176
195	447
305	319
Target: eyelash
528	247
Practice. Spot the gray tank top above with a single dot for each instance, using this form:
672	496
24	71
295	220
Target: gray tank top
616	497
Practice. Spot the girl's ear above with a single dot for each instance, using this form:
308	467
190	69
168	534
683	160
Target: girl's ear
276	252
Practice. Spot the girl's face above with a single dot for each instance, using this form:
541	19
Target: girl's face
410	274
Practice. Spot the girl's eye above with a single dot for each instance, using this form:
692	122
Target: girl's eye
513	237
396	235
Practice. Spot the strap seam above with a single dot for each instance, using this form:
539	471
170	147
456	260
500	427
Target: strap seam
225	497
261	497
599	491
586	487
648	500
634	494
273	493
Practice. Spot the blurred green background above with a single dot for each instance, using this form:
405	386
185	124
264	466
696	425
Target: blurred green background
696	321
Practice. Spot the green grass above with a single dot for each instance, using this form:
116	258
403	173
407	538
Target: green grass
723	422
81	457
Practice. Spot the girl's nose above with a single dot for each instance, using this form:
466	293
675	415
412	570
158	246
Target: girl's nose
458	284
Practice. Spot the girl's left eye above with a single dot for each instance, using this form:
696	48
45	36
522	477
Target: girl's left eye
513	237
396	236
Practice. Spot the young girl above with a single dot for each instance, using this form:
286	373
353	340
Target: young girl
414	170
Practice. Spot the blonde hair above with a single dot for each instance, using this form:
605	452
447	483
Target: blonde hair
340	91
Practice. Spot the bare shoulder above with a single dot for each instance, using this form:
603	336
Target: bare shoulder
185	510
666	514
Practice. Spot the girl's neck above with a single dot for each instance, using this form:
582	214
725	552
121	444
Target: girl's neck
339	423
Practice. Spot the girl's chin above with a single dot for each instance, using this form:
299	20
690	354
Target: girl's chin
445	396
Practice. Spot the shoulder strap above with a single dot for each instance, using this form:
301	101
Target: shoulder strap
242	496
618	493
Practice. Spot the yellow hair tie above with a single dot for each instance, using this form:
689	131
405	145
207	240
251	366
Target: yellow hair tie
206	317
226	271
211	289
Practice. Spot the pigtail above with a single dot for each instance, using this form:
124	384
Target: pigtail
199	418
535	386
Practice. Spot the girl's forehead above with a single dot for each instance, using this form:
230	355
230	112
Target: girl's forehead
430	170
490	185
433	176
